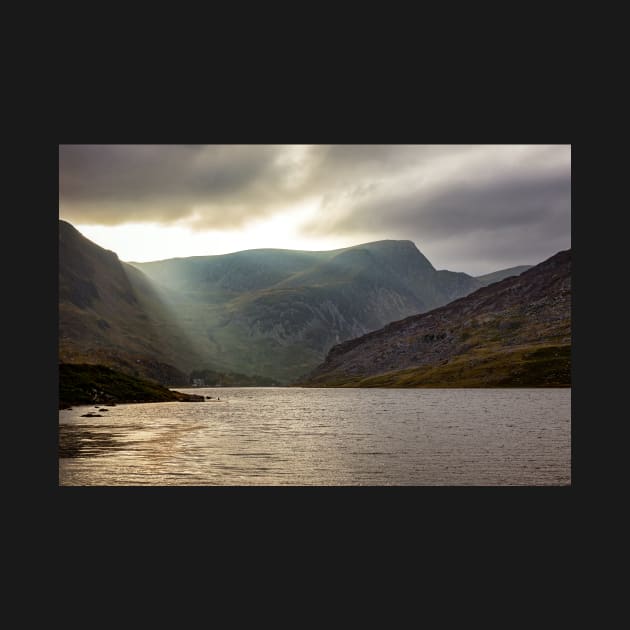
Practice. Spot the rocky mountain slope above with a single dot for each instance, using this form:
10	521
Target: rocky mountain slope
516	332
276	313
110	314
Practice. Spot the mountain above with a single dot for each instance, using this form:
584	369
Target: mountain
496	276
516	332
110	314
276	313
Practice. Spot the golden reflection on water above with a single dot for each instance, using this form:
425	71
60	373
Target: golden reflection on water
289	436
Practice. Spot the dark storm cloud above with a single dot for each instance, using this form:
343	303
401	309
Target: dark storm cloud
476	207
112	184
461	204
466	207
123	173
332	166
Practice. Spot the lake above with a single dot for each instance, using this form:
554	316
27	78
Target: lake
295	436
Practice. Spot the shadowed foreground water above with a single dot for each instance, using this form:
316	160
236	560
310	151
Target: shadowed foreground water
292	436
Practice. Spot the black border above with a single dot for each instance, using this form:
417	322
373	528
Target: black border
457	115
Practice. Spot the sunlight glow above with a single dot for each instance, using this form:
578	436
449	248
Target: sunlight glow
142	242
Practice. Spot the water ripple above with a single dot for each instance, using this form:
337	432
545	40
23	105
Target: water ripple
292	436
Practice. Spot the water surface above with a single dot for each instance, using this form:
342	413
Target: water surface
293	436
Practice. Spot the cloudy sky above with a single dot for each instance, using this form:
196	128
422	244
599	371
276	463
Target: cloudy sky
472	208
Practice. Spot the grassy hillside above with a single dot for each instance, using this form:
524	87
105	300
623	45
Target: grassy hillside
527	366
83	384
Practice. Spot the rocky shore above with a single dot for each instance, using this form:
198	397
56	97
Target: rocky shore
83	384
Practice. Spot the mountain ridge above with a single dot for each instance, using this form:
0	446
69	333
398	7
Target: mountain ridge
501	274
277	312
518	316
264	250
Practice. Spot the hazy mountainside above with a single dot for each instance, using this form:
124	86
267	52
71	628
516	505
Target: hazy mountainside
109	314
276	313
212	378
496	276
515	332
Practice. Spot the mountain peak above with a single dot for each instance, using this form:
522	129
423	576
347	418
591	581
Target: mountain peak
403	250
